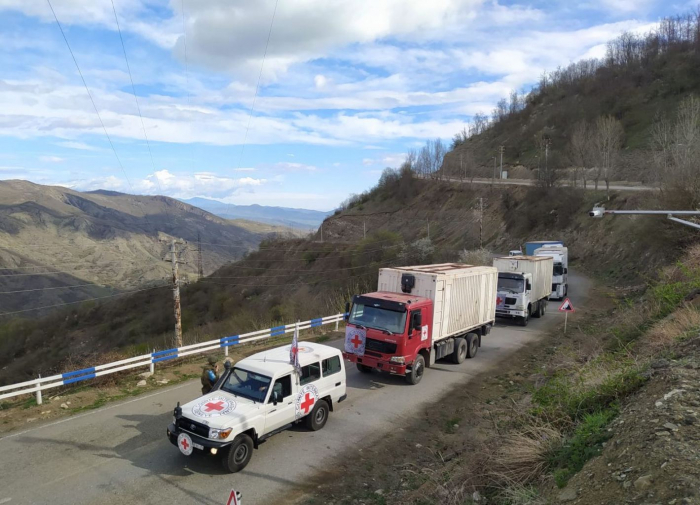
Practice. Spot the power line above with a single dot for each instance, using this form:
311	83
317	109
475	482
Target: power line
46	289
90	95
81	301
138	107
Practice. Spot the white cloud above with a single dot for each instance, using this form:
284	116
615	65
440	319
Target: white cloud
295	167
51	159
173	184
77	145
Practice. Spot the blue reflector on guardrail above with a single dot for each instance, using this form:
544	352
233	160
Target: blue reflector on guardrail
277	331
228	341
163	355
316	322
78	372
78	379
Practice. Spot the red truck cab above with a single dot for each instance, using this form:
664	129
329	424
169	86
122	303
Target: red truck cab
397	327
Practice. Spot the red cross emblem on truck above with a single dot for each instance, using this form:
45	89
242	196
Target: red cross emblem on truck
356	341
184	444
307	403
499	300
218	406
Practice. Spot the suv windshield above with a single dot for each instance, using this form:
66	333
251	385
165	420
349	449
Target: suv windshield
247	384
378	318
511	285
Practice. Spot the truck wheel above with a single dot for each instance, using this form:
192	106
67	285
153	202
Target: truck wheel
364	368
460	352
472	344
524	320
544	306
238	454
416	373
538	310
318	417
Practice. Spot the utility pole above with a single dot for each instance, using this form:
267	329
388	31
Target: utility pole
321	232
501	149
200	266
428	221
493	179
461	167
174	259
481	223
364	229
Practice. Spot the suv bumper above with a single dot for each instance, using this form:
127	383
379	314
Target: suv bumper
378	363
206	445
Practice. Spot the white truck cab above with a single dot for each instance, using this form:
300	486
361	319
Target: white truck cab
560	271
258	397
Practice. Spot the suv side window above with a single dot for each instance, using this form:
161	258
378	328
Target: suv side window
331	366
283	386
310	373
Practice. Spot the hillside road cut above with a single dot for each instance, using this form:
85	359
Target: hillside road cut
120	455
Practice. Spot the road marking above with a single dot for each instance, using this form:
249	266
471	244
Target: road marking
72	418
5	500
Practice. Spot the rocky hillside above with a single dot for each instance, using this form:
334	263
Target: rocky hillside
101	241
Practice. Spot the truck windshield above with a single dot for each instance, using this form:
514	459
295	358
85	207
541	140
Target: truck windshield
250	385
511	285
378	318
558	269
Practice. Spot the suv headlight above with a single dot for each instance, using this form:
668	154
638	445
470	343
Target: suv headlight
398	359
217	434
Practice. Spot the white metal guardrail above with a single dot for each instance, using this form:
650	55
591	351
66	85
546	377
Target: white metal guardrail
64	379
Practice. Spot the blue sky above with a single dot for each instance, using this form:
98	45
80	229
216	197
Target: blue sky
347	87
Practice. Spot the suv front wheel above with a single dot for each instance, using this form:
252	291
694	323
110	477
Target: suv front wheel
318	417
238	454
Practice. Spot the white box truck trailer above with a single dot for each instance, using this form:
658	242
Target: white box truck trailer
524	286
560	269
420	314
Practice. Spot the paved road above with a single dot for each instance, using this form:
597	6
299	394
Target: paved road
119	454
528	182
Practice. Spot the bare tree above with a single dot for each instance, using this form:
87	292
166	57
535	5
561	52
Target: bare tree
429	159
608	141
677	153
480	122
581	151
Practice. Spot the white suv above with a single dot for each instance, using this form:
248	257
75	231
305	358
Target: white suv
257	397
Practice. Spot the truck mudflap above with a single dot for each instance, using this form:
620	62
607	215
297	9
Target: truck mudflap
377	363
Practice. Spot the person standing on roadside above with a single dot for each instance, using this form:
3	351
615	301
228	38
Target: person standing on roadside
210	375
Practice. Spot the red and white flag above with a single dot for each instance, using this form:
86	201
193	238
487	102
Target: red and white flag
294	349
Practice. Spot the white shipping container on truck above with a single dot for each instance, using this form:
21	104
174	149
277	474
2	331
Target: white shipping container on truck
464	296
540	267
560	275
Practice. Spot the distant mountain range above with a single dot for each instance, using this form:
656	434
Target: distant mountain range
283	216
103	242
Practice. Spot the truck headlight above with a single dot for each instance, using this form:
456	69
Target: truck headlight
217	434
398	359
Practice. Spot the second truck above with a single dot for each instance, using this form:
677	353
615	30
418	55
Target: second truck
418	315
524	286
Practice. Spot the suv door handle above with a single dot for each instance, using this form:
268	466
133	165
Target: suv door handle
338	384
273	410
290	403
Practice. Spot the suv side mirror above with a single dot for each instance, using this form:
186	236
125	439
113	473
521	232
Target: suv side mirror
346	316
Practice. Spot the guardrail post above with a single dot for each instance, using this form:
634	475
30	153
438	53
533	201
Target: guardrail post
226	350
336	324
152	367
38	392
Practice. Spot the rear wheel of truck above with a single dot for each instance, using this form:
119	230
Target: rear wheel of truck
364	368
238	454
460	352
318	417
416	374
472	344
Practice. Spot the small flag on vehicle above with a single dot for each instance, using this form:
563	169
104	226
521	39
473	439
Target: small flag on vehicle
294	349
